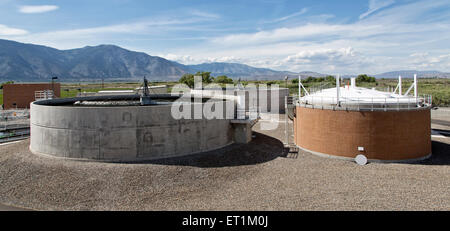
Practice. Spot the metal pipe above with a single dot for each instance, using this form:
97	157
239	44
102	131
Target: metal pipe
338	86
299	86
286	121
415	86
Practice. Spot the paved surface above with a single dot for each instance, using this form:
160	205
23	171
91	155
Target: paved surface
12	208
258	176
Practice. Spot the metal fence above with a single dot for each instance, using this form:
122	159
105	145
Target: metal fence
14	125
13	135
12	119
43	95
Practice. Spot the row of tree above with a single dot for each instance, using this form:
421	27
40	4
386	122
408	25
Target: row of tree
188	79
360	78
365	78
311	79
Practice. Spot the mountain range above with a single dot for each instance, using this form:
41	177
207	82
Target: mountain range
29	62
410	74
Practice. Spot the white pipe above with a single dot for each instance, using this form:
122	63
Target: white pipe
415	85
299	86
409	89
338	88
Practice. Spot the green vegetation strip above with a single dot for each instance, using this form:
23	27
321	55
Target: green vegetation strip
438	88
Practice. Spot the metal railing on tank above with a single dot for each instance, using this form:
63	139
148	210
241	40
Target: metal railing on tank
317	89
366	103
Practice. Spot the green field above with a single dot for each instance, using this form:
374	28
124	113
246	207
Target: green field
438	88
72	89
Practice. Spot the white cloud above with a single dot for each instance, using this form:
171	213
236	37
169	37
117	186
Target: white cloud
431	62
330	60
309	31
301	12
225	59
157	27
379	43
321	55
74	38
184	59
407	35
375	5
188	59
37	9
8	31
204	14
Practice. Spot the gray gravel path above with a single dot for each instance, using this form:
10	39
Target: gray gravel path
258	176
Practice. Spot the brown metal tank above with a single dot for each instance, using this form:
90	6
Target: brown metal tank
385	136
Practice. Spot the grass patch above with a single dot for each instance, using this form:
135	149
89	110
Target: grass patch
71	90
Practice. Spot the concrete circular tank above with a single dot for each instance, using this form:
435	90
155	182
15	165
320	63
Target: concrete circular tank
391	129
121	133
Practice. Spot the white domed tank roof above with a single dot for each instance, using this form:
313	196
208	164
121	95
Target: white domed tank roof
349	97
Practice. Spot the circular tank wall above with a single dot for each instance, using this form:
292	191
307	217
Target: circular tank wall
386	136
122	133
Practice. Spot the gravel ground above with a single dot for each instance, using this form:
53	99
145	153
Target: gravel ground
257	176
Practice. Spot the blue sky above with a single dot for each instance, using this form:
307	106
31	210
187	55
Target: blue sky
329	36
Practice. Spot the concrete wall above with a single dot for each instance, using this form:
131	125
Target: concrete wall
441	114
262	98
387	136
122	133
24	94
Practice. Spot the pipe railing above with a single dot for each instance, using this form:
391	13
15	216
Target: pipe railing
366	103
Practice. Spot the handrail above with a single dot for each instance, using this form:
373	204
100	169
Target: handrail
366	103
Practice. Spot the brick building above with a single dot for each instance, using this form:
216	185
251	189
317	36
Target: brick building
21	95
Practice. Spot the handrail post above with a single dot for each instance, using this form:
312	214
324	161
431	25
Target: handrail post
398	104
358	103
332	98
372	103
321	99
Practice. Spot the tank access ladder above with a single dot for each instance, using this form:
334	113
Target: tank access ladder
289	143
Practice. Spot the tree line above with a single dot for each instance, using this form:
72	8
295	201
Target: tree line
330	78
188	79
